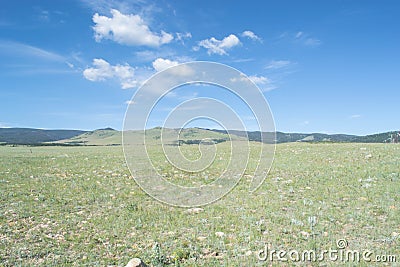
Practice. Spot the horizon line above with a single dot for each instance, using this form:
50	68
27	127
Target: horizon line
204	128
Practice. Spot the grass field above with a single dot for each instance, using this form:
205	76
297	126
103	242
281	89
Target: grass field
78	206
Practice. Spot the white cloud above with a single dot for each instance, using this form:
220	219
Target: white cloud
182	71
127	29
240	60
306	39
161	64
262	82
69	64
251	35
150	55
130	102
103	70
312	42
181	36
130	77
146	55
259	80
298	35
4	125
125	74
215	46
355	116
278	64
301	37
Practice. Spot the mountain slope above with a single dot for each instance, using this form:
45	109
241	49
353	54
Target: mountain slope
113	137
100	137
281	137
109	136
34	136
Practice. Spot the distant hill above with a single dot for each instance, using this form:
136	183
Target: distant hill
34	136
375	138
281	137
112	137
106	136
109	136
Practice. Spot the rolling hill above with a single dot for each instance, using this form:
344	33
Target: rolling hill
100	137
35	136
281	137
109	136
112	137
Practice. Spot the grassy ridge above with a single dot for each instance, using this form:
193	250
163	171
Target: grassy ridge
34	136
64	206
110	136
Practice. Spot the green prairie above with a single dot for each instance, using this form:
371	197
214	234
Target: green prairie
79	206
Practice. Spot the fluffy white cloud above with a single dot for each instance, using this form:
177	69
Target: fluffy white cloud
215	46
103	70
127	29
251	35
161	64
277	64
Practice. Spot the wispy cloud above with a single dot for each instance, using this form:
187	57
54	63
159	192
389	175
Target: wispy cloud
251	35
49	16
4	125
278	64
355	116
31	60
312	42
240	60
150	55
182	36
130	102
70	65
262	82
128	29
38	70
12	48
44	15
259	79
306	39
104	6
4	23
301	37
220	47
304	123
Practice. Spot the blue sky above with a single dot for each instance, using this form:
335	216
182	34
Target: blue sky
323	66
